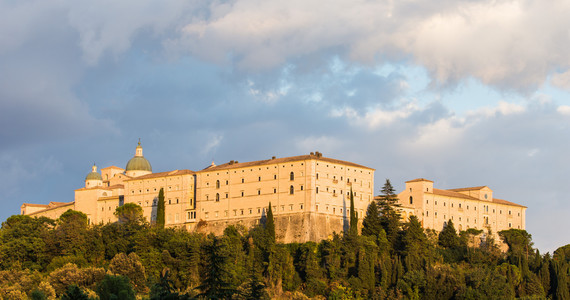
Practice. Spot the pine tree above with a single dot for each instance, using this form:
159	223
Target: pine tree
215	284
389	214
255	288
371	224
160	210
448	237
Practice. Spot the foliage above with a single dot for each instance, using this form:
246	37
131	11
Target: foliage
131	214
131	267
74	292
448	237
44	259
115	287
270	224
371	224
389	214
215	284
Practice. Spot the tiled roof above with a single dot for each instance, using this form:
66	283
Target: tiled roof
450	193
475	188
53	207
112	167
233	165
162	174
419	180
116	186
505	202
33	204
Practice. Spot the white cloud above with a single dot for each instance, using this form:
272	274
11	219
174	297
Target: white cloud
503	108
563	110
510	44
561	80
212	144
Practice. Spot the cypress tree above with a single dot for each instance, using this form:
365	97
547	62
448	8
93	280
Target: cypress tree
160	210
270	224
353	217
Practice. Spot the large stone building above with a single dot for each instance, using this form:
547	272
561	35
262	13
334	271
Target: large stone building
309	194
473	207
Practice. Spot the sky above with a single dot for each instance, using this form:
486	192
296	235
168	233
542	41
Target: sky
464	93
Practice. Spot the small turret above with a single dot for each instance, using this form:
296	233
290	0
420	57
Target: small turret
93	179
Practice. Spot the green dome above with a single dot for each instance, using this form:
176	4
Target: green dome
93	176
138	163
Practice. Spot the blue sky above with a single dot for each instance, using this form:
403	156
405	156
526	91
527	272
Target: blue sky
465	93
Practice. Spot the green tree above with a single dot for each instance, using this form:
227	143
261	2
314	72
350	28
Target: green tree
115	287
215	283
270	224
254	287
131	267
74	292
371	224
389	214
71	234
38	295
164	289
448	237
353	231
560	287
160	210
520	245
414	244
130	214
23	242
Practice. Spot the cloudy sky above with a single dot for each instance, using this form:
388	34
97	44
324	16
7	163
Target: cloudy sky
465	93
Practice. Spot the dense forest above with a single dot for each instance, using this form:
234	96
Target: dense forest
41	258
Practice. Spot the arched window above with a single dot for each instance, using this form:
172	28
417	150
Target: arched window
217	197
317	175
217	184
292	176
291	189
411	200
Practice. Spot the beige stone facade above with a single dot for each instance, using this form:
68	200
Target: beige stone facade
309	194
473	207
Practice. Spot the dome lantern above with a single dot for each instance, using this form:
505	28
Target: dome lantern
138	165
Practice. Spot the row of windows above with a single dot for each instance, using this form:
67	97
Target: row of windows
251	170
485	207
251	211
291	177
485	219
155	190
217	199
348	169
334	210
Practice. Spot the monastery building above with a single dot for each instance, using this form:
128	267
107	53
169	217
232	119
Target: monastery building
309	194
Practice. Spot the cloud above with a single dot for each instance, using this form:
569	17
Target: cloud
563	110
511	45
